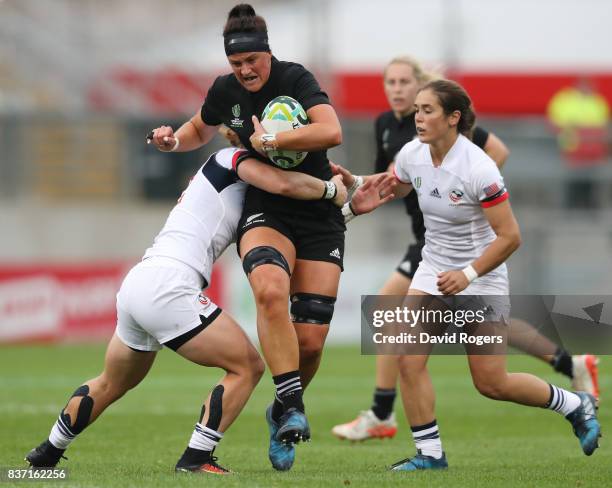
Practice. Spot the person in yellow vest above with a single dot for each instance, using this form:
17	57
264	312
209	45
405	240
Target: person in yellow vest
581	116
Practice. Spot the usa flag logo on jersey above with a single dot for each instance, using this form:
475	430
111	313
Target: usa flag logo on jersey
491	189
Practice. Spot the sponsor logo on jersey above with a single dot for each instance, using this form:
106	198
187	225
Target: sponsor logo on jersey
435	193
335	254
236	121
455	195
417	182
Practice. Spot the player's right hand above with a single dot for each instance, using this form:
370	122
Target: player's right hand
163	138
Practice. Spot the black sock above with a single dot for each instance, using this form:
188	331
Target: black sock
383	402
289	390
562	362
194	457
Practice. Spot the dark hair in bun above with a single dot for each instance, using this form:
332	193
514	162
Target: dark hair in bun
242	18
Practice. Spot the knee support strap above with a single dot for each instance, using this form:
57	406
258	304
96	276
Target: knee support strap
264	255
83	412
310	308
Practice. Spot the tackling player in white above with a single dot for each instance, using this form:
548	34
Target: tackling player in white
161	303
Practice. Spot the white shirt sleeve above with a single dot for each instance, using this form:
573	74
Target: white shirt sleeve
400	168
488	184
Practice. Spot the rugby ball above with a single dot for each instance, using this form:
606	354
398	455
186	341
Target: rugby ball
281	114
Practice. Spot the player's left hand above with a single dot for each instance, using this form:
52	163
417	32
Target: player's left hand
452	282
256	136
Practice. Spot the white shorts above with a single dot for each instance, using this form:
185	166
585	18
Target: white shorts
494	287
159	300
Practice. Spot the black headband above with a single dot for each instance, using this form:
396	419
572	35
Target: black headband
245	42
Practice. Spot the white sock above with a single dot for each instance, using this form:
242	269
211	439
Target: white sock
427	439
204	439
562	401
61	435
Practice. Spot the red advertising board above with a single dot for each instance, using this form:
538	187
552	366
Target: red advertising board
73	301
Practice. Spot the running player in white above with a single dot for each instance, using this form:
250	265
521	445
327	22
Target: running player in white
402	78
161	303
470	232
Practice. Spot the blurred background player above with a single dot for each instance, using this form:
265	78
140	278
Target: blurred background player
402	78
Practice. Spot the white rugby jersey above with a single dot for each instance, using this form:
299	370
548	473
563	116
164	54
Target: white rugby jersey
204	221
451	197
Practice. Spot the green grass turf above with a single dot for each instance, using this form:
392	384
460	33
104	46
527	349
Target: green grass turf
138	440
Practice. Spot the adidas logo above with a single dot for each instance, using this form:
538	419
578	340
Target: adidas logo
335	254
435	193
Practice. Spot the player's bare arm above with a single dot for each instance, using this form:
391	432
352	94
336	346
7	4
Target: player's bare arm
193	134
508	240
291	184
322	132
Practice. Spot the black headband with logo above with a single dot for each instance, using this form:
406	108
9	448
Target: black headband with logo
245	42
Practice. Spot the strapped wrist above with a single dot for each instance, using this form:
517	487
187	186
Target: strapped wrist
357	182
348	212
470	273
330	191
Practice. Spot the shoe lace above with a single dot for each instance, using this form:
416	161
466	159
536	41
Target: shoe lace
362	418
403	461
213	462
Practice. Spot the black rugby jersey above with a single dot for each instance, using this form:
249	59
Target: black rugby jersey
391	135
229	103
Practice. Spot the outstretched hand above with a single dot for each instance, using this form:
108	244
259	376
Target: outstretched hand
373	193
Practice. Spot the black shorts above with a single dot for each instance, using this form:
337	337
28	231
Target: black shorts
410	261
315	237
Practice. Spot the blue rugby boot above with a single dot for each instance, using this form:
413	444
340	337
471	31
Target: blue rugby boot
585	423
281	455
420	462
293	427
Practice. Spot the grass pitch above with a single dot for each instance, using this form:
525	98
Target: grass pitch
138	440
